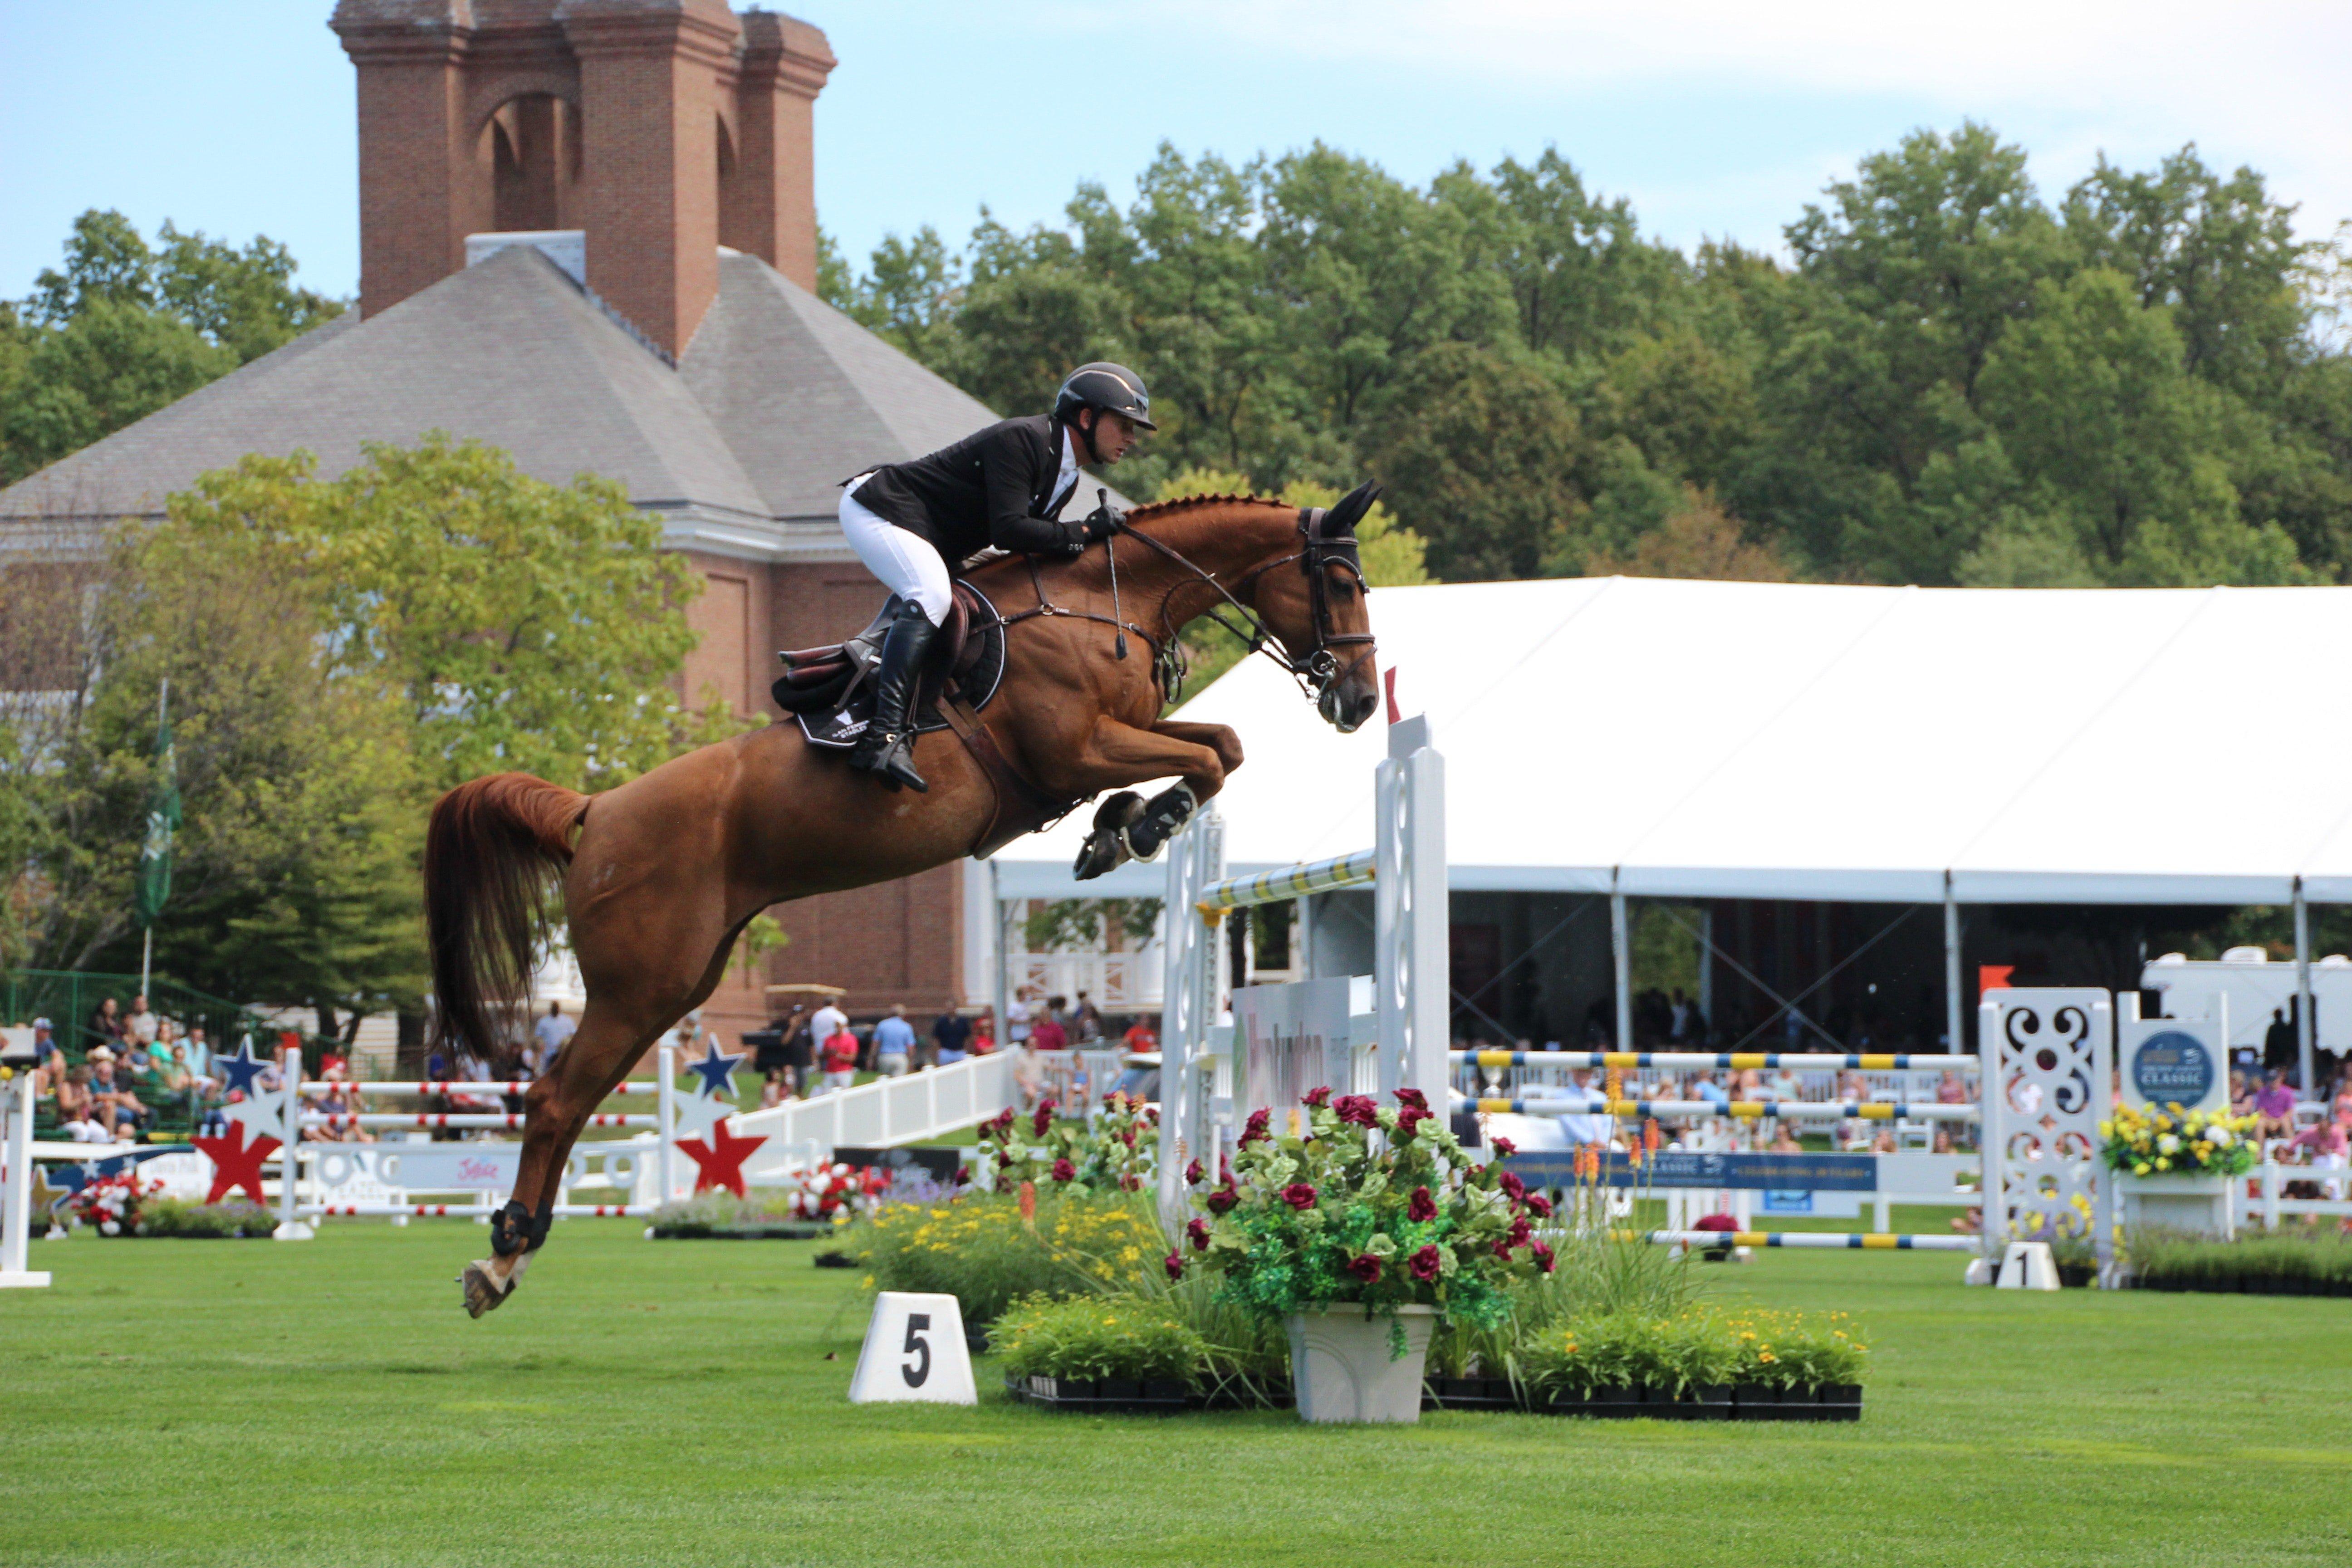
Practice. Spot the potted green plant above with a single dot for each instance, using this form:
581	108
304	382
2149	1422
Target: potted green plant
1358	1233
2174	1169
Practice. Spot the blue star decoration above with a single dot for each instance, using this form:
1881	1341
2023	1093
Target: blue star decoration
717	1072
240	1070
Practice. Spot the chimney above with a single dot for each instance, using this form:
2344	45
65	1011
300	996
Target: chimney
661	128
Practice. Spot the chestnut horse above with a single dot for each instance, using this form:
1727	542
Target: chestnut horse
658	877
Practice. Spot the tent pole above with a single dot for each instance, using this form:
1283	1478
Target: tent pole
2305	1026
1953	1017
1620	952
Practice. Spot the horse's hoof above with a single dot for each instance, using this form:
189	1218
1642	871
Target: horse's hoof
1100	853
482	1293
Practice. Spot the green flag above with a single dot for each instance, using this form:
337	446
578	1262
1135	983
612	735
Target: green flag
163	817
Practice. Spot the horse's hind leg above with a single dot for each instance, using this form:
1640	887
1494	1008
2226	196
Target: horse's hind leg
555	1109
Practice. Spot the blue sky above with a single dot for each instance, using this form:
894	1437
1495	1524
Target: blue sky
1716	119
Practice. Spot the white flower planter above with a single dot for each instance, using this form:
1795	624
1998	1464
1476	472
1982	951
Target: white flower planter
2200	1204
1340	1369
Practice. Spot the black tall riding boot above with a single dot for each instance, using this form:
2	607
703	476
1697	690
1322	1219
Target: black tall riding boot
888	746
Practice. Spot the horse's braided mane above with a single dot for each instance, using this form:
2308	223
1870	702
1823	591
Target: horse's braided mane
1161	508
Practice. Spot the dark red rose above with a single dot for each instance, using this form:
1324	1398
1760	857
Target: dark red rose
963	1175
1413	1098
1174	1263
1356	1109
1127	1137
1298	1195
1421	1207
1505	1148
1131	1184
1064	1171
1254	1129
1540	1206
1426	1264
1408	1120
1192	1175
1521	1231
1513	1188
1001	1123
1503	1250
1151	1114
1223	1200
1316	1099
1044	1120
1365	1267
1198	1231
1542	1255
1003	1161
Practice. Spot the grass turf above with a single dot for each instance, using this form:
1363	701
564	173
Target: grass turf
677	1403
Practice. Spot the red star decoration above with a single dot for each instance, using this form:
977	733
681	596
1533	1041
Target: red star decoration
721	1161
235	1162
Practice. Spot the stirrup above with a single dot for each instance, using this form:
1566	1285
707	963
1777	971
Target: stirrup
890	753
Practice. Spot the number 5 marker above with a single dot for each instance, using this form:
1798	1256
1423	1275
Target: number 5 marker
914	1350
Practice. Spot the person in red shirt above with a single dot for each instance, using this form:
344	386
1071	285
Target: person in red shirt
1140	1038
1047	1034
841	1059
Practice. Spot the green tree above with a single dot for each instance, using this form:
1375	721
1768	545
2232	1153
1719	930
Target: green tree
528	626
122	330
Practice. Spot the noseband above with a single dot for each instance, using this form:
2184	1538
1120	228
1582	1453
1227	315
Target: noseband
1320	669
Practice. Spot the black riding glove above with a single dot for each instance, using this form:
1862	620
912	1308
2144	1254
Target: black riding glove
1103	520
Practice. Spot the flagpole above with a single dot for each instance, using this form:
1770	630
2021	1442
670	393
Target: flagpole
147	953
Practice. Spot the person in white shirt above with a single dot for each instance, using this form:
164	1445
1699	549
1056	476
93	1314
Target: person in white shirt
552	1033
141	1022
827	1022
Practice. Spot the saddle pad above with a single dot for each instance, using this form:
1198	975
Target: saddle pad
980	671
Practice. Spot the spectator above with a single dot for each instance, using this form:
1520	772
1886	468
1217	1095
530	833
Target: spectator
826	1022
799	1050
839	1054
1784	1084
1141	1036
951	1038
105	1023
2241	1093
775	1090
1950	1091
80	1116
48	1059
2280	1046
140	1027
1086	1021
1943	1144
115	1103
1784	1139
2275	1107
983	1033
1047	1035
552	1034
1016	1015
1707	1089
894	1043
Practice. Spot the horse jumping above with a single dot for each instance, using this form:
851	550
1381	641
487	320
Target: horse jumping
659	877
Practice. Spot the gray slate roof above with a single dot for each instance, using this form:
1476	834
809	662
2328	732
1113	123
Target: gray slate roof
777	398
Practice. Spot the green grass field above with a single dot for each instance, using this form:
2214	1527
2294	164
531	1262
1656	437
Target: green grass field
677	1403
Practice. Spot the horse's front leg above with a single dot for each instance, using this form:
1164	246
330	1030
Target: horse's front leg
1125	826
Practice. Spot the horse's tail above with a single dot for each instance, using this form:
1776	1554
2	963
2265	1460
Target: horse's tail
492	853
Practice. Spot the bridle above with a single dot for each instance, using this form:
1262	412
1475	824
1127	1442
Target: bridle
1317	551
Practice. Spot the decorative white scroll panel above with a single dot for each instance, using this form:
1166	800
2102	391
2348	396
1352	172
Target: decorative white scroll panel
2048	1083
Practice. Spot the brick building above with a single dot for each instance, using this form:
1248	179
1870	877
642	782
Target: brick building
588	237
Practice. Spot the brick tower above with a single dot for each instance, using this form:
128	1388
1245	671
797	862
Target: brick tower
663	129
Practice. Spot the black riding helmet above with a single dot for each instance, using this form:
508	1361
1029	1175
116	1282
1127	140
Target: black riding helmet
1106	388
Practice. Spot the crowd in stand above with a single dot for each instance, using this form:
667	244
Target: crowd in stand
136	1069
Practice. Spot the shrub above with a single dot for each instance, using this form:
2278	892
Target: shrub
1622	1350
2303	1254
985	1251
1092	1337
178	1217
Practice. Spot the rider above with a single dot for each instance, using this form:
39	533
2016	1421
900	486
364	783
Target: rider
1005	486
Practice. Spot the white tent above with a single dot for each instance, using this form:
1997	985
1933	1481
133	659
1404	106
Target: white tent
1738	740
1792	740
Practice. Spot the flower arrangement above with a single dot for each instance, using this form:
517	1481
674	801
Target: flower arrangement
1089	1337
1698	1348
1114	1152
112	1205
839	1193
984	1250
1370	1204
2159	1143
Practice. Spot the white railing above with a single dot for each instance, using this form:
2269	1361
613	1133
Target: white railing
888	1110
1114	981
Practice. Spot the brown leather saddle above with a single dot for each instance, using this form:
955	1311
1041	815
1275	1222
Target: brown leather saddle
830	692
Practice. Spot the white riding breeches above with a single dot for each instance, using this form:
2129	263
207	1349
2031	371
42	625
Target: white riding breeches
907	563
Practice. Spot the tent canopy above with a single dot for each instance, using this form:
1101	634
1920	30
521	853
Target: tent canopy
1745	739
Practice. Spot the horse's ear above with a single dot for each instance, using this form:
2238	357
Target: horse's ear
1343	518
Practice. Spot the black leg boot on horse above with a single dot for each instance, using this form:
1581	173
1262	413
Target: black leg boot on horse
516	1233
888	746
